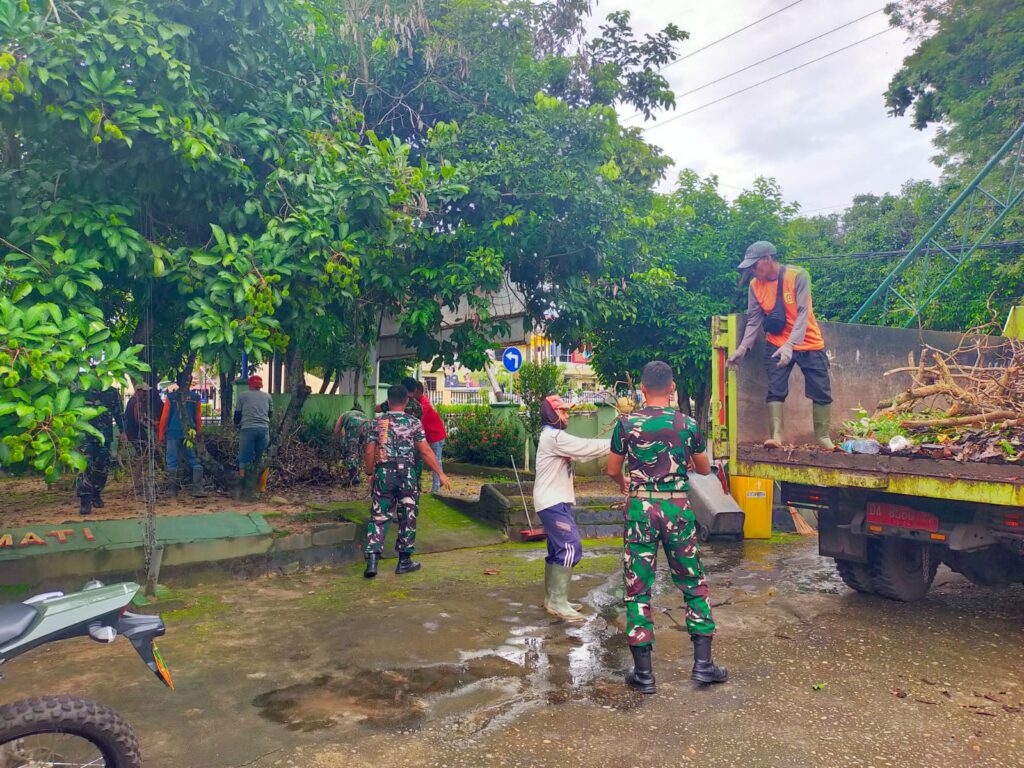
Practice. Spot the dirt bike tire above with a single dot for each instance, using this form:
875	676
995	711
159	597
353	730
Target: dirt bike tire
94	722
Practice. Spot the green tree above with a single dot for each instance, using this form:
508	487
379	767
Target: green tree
534	382
966	74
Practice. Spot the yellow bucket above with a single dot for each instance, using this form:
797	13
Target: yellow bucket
754	495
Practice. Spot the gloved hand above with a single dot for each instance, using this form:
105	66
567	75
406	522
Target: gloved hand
735	357
784	355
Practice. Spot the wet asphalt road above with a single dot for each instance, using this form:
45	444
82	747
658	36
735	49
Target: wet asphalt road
454	667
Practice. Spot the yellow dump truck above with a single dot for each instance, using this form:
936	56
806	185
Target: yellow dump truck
888	521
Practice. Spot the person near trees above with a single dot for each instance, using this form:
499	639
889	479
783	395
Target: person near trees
413	407
352	429
658	444
171	432
779	303
433	428
138	418
554	497
90	483
254	409
395	443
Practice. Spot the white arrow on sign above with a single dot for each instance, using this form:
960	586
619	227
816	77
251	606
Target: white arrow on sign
513	359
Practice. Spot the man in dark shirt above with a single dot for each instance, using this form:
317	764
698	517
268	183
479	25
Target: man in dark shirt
90	484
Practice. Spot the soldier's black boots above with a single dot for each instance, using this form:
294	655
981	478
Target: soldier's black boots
97	501
641	678
704	669
86	508
371	565
405	563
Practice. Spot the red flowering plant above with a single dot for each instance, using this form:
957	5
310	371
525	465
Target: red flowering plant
481	437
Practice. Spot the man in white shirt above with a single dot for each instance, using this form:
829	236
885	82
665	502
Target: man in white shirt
553	498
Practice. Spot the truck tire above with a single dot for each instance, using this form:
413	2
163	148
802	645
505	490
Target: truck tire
901	569
856	576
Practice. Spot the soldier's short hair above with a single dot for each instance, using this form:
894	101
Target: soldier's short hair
657	377
397	396
411	384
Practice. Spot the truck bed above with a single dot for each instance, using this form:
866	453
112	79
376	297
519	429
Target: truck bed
866	464
999	484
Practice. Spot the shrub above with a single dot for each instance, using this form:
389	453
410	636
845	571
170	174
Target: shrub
480	437
317	431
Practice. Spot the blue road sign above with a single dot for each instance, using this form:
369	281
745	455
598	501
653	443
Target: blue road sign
512	359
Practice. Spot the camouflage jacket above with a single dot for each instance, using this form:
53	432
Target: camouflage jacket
657	443
396	436
412	408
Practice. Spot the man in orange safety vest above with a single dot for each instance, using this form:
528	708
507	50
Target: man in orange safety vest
779	302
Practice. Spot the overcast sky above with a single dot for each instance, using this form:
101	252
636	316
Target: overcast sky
822	131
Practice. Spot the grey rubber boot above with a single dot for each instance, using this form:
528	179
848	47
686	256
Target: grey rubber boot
557	603
775	425
547	588
197	480
822	416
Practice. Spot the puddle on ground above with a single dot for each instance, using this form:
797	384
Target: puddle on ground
379	697
541	661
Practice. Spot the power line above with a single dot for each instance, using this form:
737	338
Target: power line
773	56
767	80
726	37
903	252
713	43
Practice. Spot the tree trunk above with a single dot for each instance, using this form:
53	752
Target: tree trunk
683	398
329	373
702	400
227	399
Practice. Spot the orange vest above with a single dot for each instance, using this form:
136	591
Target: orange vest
766	292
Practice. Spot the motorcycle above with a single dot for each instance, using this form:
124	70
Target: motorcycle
67	730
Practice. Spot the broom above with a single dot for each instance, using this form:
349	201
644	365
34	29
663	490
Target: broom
802	527
531	533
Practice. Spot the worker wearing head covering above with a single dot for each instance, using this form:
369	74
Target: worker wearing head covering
779	305
553	498
253	411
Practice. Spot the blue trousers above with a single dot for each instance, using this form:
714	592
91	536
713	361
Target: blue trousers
176	450
565	547
252	442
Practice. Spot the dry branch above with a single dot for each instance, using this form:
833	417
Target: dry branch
982	418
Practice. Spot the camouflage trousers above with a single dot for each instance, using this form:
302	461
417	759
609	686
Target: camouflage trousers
669	522
395	494
351	466
353	442
93	480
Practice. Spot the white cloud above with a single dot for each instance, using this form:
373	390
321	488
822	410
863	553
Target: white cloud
822	131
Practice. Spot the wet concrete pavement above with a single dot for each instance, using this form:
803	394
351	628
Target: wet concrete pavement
453	667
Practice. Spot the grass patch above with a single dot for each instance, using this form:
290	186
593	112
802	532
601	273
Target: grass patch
782	537
14	590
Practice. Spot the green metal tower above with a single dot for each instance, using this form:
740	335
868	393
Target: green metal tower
914	282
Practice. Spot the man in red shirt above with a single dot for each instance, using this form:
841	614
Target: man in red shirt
433	427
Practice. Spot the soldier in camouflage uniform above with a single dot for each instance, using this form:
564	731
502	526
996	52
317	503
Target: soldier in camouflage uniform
395	443
412	408
659	444
90	484
352	428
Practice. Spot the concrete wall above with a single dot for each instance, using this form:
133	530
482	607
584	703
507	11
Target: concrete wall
330	406
859	355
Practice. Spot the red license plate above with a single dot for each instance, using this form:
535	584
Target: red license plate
898	516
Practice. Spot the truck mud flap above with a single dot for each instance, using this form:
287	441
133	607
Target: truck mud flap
841	537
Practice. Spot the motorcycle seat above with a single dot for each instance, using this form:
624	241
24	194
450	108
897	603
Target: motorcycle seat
15	619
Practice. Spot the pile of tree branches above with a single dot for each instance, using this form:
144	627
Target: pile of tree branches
964	387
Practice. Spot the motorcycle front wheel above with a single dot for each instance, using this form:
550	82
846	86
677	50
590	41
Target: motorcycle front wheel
65	731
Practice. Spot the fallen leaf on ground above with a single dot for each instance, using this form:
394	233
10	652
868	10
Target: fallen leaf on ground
491	572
